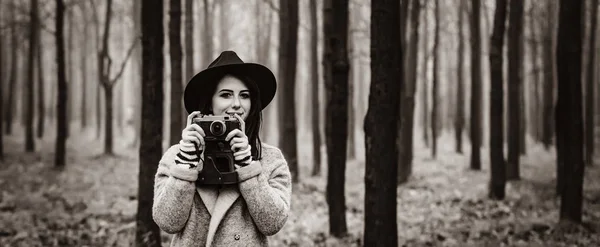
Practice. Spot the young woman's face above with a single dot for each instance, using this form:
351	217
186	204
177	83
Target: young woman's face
231	97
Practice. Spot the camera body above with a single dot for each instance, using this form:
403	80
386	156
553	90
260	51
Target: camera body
218	157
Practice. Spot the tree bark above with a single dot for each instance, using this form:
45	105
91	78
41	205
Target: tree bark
434	86
498	170
589	97
515	31
41	104
459	121
335	13
176	70
147	232
71	70
108	119
61	126
476	81
380	125
288	36
33	41
569	117
314	68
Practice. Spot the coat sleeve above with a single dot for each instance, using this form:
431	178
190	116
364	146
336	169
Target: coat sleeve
174	188
266	187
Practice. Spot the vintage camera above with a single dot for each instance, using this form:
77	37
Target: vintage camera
218	157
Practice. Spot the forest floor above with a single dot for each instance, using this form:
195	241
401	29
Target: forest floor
92	202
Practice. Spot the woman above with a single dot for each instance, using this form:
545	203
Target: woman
241	214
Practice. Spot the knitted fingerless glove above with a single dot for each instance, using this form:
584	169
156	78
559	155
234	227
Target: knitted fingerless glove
187	155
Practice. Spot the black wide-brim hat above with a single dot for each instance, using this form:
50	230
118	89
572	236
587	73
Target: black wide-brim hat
229	62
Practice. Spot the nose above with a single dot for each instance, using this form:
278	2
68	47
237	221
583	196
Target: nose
236	102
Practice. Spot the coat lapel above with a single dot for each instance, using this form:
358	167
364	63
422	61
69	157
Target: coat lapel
209	197
225	199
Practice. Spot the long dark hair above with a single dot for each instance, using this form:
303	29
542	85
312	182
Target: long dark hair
254	119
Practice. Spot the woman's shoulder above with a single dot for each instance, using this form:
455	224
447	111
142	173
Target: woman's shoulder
271	152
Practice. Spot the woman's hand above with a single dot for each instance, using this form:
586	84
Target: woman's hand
193	133
239	144
192	143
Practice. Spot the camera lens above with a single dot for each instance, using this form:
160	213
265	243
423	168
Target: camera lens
217	128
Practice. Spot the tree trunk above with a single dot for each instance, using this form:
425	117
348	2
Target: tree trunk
2	64
498	170
108	119
150	152
61	126
549	74
189	44
83	67
434	86
476	81
71	73
314	68
408	98
459	122
380	126
137	84
425	86
335	13
29	135
41	102
288	19
536	116
515	31
207	40
589	97
569	116
176	70
12	78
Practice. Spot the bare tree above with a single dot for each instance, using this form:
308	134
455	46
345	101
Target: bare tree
435	78
33	17
147	232
207	41
1	88
549	72
408	96
61	126
83	64
41	106
12	77
569	117
316	126
498	171
189	42
335	14
176	70
381	124
589	97
476	81
288	37
104	72
515	31
459	120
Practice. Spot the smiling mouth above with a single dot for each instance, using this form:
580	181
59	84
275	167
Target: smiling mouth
234	113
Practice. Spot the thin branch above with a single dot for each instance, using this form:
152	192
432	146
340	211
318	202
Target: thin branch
129	52
271	5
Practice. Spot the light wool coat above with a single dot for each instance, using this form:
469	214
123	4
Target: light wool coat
236	215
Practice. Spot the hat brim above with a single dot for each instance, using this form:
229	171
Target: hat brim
262	76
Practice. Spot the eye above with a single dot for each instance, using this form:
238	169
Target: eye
245	95
225	94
